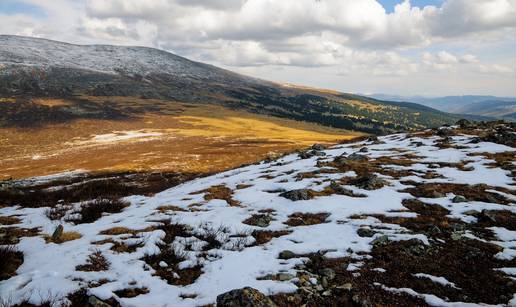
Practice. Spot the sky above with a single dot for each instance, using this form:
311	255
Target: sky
400	47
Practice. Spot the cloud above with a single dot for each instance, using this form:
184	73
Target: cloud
348	37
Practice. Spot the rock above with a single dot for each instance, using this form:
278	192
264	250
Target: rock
163	264
262	220
459	199
347	286
295	195
245	297
471	212
357	157
488	215
318	147
324	282
380	241
372	138
418	144
95	302
284	276
369	182
444	132
326	293
58	233
435	194
365	232
311	153
363	149
456	235
328	273
464	123
337	188
286	254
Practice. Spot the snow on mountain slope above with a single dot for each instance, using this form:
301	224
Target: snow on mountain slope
188	244
35	52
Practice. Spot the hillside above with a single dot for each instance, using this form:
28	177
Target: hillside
31	67
413	219
487	106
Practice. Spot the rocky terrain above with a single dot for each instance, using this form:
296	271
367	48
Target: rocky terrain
31	67
409	219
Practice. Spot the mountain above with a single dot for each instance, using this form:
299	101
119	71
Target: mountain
32	67
489	106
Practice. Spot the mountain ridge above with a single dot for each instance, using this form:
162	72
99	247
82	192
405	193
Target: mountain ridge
35	67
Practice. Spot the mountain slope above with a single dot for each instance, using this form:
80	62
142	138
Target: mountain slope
36	67
419	219
490	106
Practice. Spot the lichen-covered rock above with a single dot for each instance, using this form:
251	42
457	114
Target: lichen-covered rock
295	195
245	297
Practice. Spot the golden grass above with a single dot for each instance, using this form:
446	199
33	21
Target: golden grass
50	102
65	237
192	138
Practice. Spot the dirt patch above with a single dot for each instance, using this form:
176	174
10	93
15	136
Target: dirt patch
12	235
219	192
96	262
306	219
11	260
265	236
131	292
470	192
65	237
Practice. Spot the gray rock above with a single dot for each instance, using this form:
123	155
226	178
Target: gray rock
347	286
318	147
245	297
363	149
284	276
95	302
328	273
464	123
58	233
459	199
365	232
369	182
295	195
357	157
324	282
286	254
381	240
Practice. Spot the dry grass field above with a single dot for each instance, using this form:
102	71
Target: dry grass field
178	138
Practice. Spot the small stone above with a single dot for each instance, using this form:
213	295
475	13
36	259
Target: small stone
95	302
328	273
318	147
286	254
58	233
347	286
459	199
357	157
319	288
296	195
326	293
284	277
456	235
381	240
365	232
363	149
324	282
163	264
245	297
471	212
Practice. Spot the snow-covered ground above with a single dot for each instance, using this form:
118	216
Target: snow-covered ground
51	268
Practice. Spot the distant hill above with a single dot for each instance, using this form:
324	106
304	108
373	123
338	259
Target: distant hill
489	106
31	67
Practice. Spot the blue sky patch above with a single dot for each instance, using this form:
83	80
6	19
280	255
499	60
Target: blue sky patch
18	7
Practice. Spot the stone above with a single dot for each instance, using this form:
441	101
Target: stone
459	199
286	254
357	157
381	240
337	188
326	293
284	276
365	232
318	147
58	233
456	235
328	273
95	302
295	195
363	149
347	286
245	297
324	282
369	182
464	123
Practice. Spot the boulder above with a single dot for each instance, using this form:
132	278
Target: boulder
295	195
459	199
245	297
286	254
